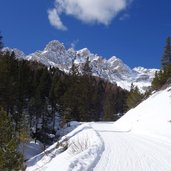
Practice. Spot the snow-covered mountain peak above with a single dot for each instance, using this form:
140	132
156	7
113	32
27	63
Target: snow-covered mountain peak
143	70
118	65
83	52
71	50
54	46
114	59
18	53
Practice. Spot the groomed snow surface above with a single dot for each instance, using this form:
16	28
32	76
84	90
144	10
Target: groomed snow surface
139	141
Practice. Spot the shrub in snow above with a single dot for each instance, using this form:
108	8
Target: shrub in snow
63	145
78	145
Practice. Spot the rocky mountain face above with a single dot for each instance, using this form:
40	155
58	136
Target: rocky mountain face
114	70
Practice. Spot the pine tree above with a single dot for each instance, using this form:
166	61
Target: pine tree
8	72
87	70
164	74
166	60
134	97
52	100
74	69
108	109
10	159
1	42
23	132
156	81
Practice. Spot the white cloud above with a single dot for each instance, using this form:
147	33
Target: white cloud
88	11
55	20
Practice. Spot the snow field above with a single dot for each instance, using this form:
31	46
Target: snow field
151	117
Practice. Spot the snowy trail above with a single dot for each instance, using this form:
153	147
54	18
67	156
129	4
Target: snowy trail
126	151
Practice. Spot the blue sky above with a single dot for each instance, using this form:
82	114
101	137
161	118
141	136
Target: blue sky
133	31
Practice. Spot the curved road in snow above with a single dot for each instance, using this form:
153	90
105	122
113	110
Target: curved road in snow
126	151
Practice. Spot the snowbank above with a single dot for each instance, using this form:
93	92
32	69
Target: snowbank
78	150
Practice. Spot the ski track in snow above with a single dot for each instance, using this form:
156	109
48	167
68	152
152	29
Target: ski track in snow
110	150
126	151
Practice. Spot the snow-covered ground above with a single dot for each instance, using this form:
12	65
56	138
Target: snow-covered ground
30	149
152	116
127	151
139	141
78	150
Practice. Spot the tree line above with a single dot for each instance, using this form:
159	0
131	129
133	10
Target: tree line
29	88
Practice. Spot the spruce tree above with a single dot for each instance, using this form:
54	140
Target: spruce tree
74	69
108	109
134	97
1	42
10	159
164	74
87	70
156	82
166	59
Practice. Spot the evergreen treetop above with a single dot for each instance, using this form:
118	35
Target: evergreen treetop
164	74
87	70
74	69
134	97
166	59
1	42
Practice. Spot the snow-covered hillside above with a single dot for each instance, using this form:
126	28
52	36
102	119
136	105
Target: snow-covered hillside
139	141
114	70
152	116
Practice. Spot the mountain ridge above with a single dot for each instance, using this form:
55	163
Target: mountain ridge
113	69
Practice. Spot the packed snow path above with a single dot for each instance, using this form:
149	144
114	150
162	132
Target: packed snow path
126	151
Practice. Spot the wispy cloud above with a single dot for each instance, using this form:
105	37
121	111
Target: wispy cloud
88	11
124	17
55	20
74	43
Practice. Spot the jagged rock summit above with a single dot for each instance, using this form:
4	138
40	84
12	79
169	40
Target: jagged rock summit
114	69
